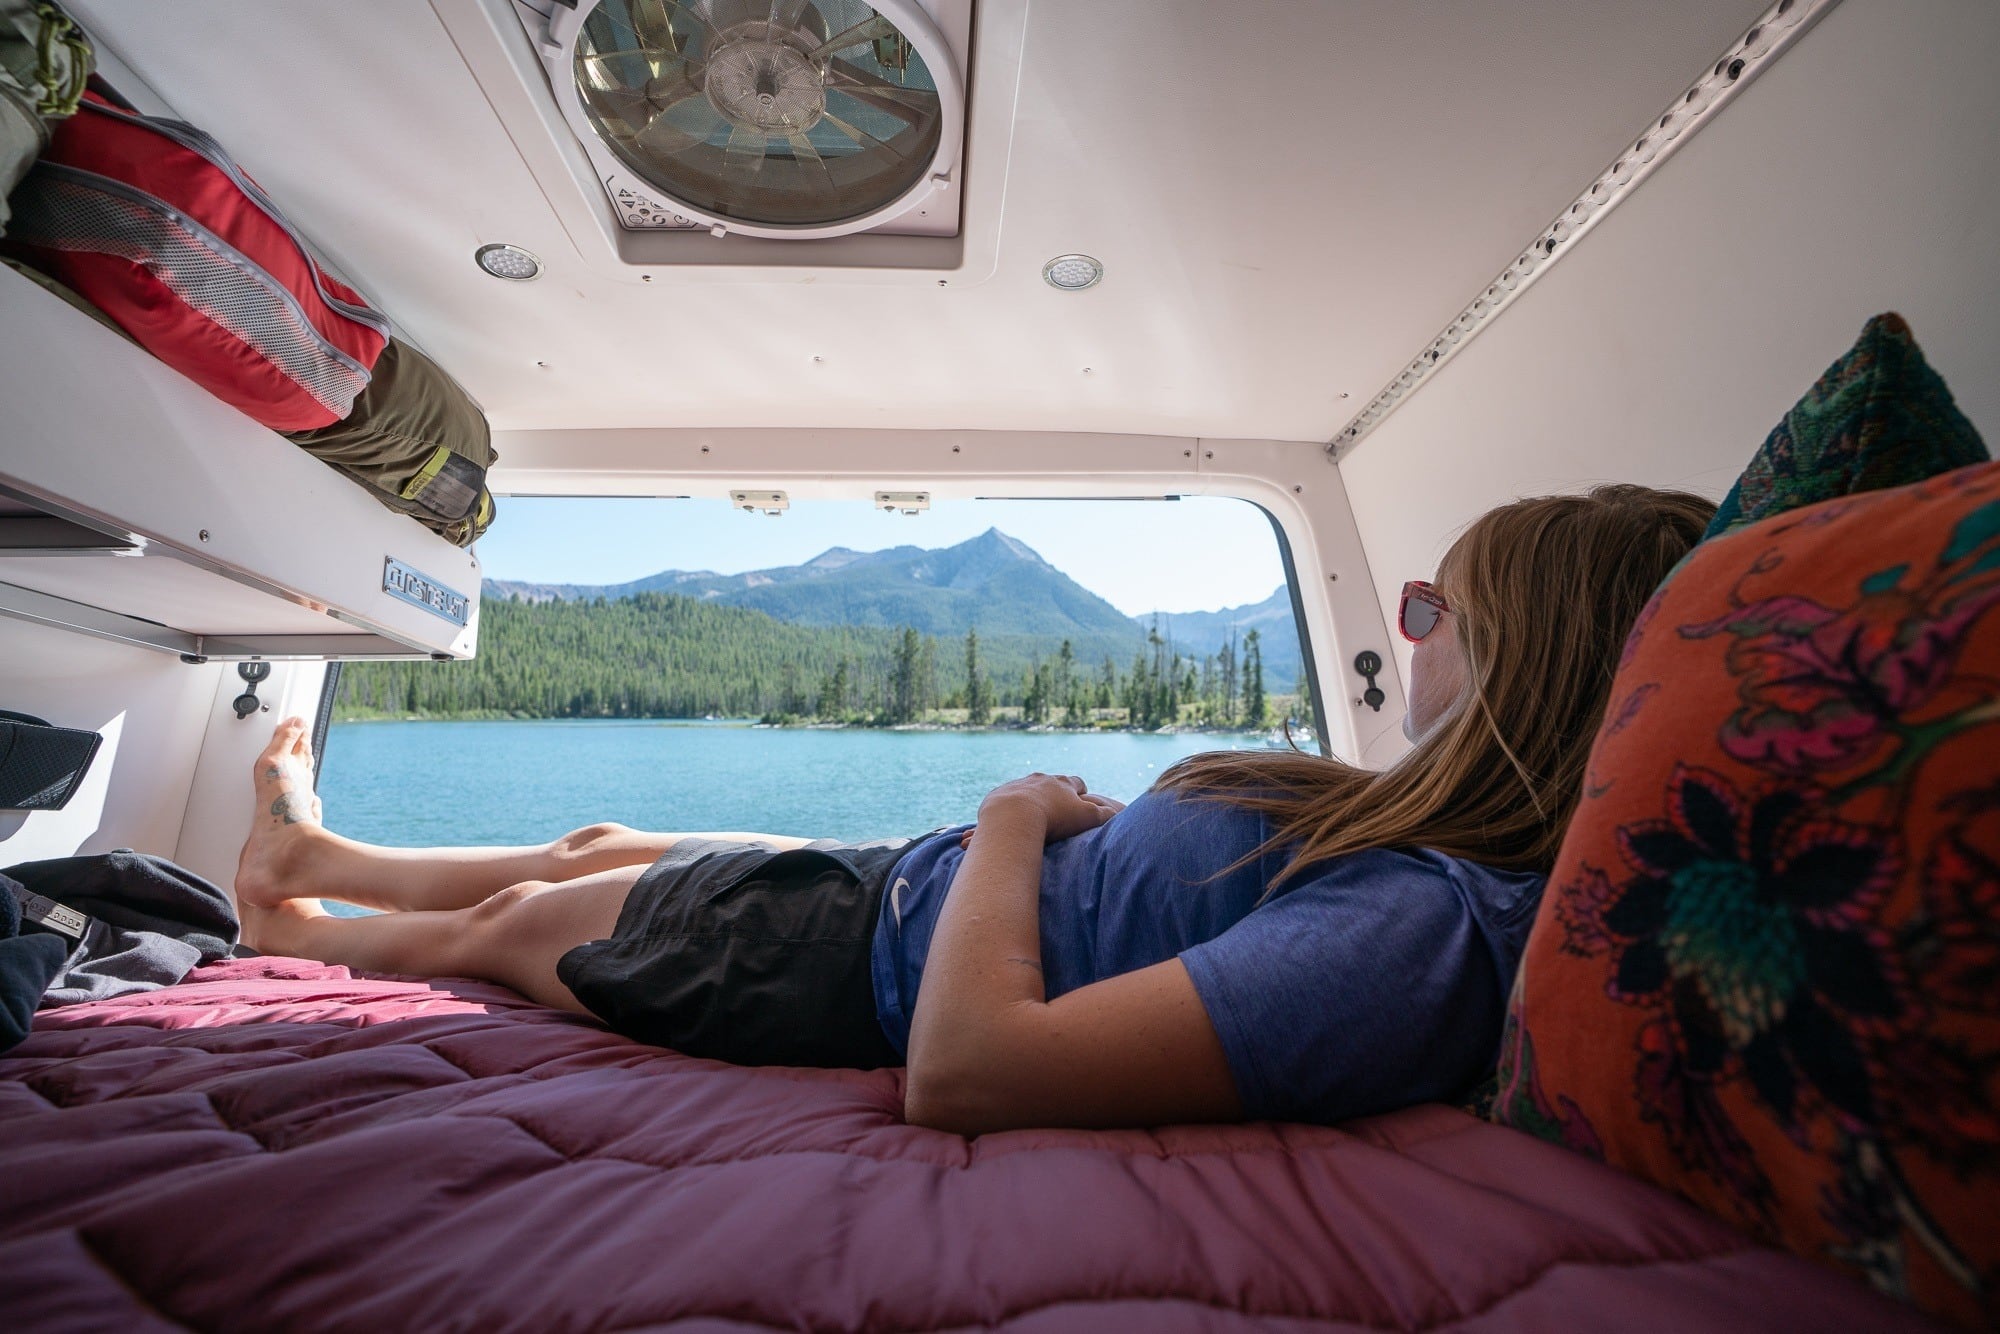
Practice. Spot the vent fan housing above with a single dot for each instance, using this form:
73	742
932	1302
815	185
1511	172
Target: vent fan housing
785	119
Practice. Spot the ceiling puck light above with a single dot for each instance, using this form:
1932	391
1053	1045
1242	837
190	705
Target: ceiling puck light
1072	273
508	261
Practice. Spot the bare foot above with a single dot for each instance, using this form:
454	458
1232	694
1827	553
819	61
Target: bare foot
286	823
278	929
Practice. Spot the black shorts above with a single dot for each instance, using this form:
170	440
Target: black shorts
742	953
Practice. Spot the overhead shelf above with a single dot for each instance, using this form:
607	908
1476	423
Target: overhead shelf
134	506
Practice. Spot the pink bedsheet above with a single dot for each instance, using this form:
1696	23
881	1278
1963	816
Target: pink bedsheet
276	1144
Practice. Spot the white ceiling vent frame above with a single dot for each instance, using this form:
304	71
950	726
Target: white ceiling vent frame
507	46
1774	32
771	72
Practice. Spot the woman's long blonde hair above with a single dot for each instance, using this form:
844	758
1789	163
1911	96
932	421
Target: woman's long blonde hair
1543	593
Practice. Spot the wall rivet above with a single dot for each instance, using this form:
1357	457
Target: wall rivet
1208	453
1333	578
203	534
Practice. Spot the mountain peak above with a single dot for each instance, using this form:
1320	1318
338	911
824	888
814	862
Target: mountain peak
993	542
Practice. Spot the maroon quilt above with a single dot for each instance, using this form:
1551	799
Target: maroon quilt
279	1145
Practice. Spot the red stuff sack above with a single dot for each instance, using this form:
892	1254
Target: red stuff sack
151	222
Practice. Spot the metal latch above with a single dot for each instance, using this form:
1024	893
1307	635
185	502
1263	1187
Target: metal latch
903	502
761	502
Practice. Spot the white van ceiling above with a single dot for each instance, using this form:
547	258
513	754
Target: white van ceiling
1289	199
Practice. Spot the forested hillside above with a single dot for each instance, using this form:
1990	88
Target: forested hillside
993	583
1197	633
658	655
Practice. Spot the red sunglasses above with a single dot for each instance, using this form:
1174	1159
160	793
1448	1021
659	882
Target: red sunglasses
1420	611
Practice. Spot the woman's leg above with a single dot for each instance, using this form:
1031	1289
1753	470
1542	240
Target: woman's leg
513	937
290	854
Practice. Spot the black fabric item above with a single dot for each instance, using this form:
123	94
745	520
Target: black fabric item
27	964
151	922
742	953
41	766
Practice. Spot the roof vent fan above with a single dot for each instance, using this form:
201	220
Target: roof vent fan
791	119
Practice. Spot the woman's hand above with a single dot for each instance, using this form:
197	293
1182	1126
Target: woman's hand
1066	807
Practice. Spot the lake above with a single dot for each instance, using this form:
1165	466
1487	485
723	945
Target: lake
426	784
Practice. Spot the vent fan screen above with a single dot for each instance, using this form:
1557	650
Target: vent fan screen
788	113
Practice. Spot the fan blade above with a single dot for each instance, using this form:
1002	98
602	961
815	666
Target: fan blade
812	167
786	13
620	105
662	132
865	31
671	89
861	137
603	57
654	26
879	96
746	150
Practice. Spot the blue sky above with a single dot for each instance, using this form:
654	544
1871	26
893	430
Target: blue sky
1198	554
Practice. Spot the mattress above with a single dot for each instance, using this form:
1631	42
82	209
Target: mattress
283	1145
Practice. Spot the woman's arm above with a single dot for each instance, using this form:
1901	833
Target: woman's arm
989	1051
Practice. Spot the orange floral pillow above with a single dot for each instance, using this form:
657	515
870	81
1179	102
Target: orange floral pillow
1766	972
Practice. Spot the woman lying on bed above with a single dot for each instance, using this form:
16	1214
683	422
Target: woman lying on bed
1262	935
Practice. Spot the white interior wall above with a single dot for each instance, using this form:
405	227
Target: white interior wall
152	710
1857	175
172	776
218	808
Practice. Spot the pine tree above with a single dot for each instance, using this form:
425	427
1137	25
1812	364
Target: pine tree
927	680
1138	694
1064	683
1074	693
902	684
1253	681
1227	672
978	702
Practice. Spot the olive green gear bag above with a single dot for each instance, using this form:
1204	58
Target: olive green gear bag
418	443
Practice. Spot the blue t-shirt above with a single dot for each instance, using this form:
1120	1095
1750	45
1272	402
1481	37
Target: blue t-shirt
1368	982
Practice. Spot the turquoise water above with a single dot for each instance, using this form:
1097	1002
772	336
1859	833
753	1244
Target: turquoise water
426	784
